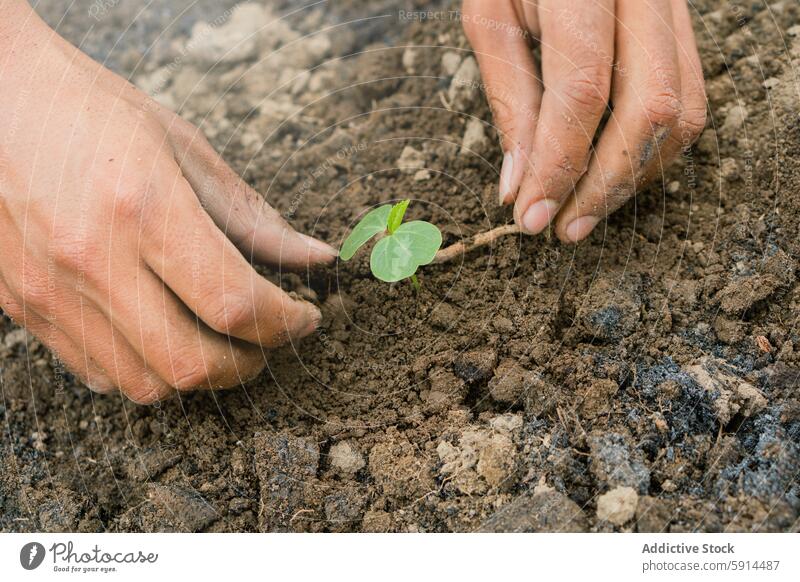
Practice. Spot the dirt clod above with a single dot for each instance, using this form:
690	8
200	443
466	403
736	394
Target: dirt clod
543	511
618	506
346	458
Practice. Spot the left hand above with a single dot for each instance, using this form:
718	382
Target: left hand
637	56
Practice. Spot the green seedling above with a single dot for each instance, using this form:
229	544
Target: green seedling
402	248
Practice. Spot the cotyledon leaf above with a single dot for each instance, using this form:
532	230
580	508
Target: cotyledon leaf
374	222
398	256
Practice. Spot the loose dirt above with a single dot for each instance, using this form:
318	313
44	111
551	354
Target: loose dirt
644	380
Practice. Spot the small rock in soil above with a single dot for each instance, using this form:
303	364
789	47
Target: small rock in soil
464	88
16	337
729	331
503	324
734	120
508	423
376	521
618	506
346	458
422	175
450	62
474	139
446	390
443	316
310	51
409	60
231	42
411	160
729	169
481	460
546	511
497	461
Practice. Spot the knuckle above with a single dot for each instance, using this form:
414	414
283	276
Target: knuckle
189	131
567	159
131	203
189	373
233	311
69	252
661	110
693	122
587	89
183	126
661	103
81	256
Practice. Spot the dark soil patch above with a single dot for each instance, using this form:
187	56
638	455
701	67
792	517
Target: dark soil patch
522	383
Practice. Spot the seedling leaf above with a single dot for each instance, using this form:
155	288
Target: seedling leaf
399	255
374	222
396	216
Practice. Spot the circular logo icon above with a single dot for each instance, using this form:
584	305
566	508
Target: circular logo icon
31	555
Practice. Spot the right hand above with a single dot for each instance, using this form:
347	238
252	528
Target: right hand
636	59
124	234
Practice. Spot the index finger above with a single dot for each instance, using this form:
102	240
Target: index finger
501	44
207	272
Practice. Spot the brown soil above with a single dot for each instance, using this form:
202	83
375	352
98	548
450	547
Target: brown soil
525	383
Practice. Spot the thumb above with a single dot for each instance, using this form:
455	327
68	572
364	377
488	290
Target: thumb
255	227
512	83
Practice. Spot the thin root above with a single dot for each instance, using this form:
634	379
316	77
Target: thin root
479	240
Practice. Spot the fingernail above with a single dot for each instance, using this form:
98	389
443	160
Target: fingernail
318	245
539	215
314	319
580	228
510	175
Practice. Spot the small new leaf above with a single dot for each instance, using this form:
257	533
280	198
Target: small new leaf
396	216
373	223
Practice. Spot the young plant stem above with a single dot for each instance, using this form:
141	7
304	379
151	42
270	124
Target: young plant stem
478	240
415	282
